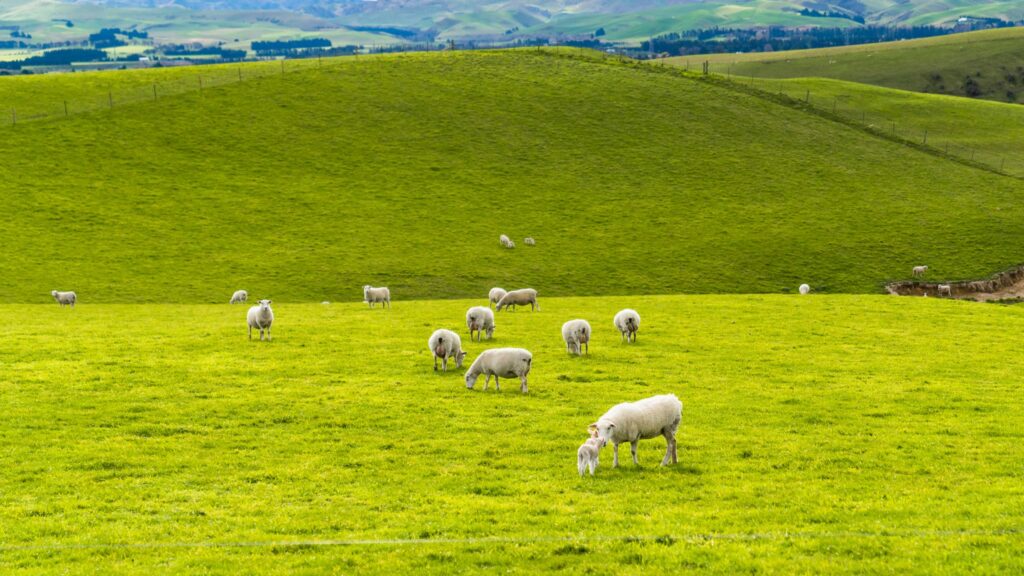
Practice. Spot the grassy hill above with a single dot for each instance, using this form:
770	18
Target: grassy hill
402	171
838	434
987	64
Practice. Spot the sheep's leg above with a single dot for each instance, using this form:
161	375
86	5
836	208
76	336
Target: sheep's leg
588	348
592	465
669	449
615	451
522	385
435	362
497	383
269	337
632	450
487	382
250	333
444	364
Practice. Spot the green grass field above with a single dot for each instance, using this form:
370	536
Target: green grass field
632	179
841	434
992	59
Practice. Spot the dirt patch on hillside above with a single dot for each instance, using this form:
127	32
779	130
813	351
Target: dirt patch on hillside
1006	285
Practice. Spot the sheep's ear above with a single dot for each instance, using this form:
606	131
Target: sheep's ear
592	427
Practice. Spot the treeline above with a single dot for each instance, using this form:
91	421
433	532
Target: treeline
716	40
411	34
58	58
224	53
286	47
831	14
108	37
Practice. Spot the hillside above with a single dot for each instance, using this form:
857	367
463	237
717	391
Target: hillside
404	170
988	64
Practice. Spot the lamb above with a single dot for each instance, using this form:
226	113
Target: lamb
576	334
529	241
919	271
239	297
373	295
501	363
260	317
506	241
446	344
480	319
64	298
587	455
635	421
495	295
805	289
945	289
519	297
628	324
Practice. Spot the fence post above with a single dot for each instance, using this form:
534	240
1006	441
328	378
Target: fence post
807	97
110	98
14	116
154	91
925	137
200	85
65	108
239	73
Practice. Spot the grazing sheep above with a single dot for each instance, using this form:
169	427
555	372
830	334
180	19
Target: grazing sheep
805	289
576	334
588	453
480	319
64	298
445	344
326	303
373	295
919	271
506	241
945	289
519	297
239	297
260	317
529	241
495	295
501	363
635	421
627	322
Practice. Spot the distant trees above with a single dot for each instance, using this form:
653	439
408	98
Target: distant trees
599	32
831	14
284	47
65	57
108	37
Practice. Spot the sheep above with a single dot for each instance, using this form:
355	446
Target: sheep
576	334
64	298
480	319
519	297
588	453
919	271
495	295
627	322
373	295
446	344
805	289
635	421
529	241
501	363
945	289
239	297
260	317
506	241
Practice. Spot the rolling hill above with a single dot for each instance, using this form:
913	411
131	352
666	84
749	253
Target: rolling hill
986	64
404	170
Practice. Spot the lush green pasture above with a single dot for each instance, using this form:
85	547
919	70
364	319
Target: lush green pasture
403	171
845	434
992	59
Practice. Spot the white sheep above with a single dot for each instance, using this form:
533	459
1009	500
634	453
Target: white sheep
576	334
501	363
239	297
373	295
506	241
495	295
445	344
480	319
635	421
515	298
919	270
627	322
805	289
260	317
64	298
945	289
529	241
588	453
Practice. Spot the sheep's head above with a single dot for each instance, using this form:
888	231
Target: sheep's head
458	359
53	293
471	379
490	331
264	305
603	429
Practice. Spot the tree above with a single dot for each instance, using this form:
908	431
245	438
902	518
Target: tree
600	32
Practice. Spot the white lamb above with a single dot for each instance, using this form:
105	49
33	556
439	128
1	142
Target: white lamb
373	295
64	298
445	344
919	270
480	319
576	334
805	289
627	322
635	421
529	241
239	297
506	241
501	363
588	453
495	295
945	289
260	317
519	298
